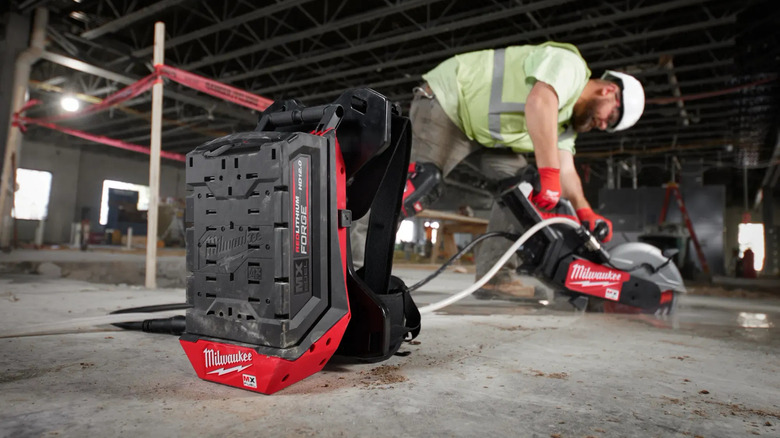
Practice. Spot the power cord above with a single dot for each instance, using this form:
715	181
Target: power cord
504	258
459	254
174	325
134	318
76	325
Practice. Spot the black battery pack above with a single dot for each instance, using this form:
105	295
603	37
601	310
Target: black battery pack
273	291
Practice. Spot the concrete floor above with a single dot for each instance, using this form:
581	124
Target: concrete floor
106	264
479	368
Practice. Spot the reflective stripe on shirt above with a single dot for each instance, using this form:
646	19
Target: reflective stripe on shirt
497	106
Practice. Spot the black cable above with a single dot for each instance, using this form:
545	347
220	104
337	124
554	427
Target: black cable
154	308
460	253
174	325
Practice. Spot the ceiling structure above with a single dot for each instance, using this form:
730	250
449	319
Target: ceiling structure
709	67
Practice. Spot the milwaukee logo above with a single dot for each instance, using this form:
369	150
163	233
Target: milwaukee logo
218	245
214	358
222	371
581	272
595	280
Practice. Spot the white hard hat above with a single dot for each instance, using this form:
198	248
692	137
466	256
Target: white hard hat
632	99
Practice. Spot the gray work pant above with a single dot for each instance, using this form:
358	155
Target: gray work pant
436	139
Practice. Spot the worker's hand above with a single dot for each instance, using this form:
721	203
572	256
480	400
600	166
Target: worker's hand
550	188
591	220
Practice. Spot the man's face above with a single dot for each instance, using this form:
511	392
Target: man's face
600	112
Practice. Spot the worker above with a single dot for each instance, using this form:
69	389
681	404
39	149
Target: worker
748	264
492	106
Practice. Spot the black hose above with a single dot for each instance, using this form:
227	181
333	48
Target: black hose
460	253
174	325
155	308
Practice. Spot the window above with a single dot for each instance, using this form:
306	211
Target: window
752	236
31	201
434	226
143	196
405	232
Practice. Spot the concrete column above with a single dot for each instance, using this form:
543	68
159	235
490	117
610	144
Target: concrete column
14	40
21	75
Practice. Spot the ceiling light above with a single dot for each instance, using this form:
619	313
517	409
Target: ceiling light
80	16
70	104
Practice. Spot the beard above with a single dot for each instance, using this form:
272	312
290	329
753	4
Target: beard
582	118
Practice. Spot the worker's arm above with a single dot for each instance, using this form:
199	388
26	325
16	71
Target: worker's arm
571	186
541	118
570	181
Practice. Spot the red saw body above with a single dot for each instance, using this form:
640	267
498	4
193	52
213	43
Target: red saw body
634	277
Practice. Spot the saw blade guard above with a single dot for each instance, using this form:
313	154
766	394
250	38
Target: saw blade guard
647	262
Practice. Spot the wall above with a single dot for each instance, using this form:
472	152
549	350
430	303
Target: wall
135	171
77	181
631	210
63	163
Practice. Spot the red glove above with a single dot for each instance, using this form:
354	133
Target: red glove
590	219
550	193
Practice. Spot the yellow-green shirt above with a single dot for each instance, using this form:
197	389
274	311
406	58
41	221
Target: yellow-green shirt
489	108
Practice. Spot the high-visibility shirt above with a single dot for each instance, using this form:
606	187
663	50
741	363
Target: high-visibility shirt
484	92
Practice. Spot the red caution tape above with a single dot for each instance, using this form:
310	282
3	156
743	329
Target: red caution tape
214	88
16	122
30	103
101	139
205	85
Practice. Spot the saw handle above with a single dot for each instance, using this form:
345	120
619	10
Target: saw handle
530	175
601	230
564	207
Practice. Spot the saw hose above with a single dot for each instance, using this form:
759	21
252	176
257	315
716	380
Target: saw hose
459	254
174	325
504	258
